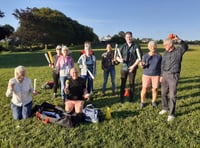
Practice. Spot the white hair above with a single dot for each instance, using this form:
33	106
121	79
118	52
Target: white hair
19	69
152	43
168	41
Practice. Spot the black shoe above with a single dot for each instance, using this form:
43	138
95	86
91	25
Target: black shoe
154	104
141	105
122	100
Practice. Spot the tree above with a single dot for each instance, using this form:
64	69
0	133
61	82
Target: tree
49	26
1	14
6	31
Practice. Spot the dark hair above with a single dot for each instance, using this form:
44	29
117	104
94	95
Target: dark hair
128	32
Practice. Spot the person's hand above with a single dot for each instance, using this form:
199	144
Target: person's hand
11	86
86	96
131	68
142	64
66	91
176	38
119	59
35	92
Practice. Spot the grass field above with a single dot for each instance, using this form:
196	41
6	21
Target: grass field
129	125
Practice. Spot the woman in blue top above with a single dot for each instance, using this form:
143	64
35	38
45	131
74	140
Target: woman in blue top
151	63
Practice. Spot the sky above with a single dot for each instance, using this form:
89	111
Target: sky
144	18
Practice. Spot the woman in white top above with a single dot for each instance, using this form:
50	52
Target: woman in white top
21	90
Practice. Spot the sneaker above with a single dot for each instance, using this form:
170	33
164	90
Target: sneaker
141	105
54	95
102	94
154	104
170	118
162	112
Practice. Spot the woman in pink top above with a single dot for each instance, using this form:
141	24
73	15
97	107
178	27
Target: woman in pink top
64	64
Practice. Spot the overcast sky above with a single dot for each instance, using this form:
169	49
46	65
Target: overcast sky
145	18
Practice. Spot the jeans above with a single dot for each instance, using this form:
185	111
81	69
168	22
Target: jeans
89	82
23	111
62	82
106	73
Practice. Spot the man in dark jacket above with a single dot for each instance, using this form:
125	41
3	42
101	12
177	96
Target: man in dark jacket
170	73
130	55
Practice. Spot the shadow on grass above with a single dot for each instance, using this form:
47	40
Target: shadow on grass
189	83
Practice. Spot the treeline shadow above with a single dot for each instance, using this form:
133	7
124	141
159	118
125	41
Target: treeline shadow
34	59
187	84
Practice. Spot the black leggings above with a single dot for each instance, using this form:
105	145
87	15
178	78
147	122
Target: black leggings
55	81
124	75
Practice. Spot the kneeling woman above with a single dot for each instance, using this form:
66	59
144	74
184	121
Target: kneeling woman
76	92
21	90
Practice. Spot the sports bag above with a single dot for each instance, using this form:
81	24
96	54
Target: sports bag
49	113
92	114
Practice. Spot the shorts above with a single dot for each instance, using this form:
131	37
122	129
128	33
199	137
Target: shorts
148	81
74	104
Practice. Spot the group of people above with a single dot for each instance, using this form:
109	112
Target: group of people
74	89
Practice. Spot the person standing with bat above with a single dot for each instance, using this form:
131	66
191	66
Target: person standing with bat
108	66
64	64
87	65
55	72
130	56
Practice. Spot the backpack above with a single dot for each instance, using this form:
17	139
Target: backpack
92	114
49	113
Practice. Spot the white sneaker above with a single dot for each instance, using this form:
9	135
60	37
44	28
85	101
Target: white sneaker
170	118
162	112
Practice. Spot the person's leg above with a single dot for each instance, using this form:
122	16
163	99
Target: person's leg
132	84
123	84
105	77
27	110
79	106
55	83
173	82
155	83
112	74
164	91
17	111
145	85
62	82
90	83
69	106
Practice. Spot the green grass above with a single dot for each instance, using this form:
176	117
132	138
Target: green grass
128	127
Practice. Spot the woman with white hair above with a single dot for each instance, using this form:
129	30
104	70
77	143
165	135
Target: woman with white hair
151	63
64	64
21	90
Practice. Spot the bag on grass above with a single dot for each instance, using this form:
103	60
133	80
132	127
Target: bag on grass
49	113
47	85
92	114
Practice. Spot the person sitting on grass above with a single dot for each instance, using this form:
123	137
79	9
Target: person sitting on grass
76	92
151	63
20	89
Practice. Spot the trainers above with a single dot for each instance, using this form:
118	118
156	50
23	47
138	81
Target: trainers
141	105
170	118
162	112
102	94
154	104
54	95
